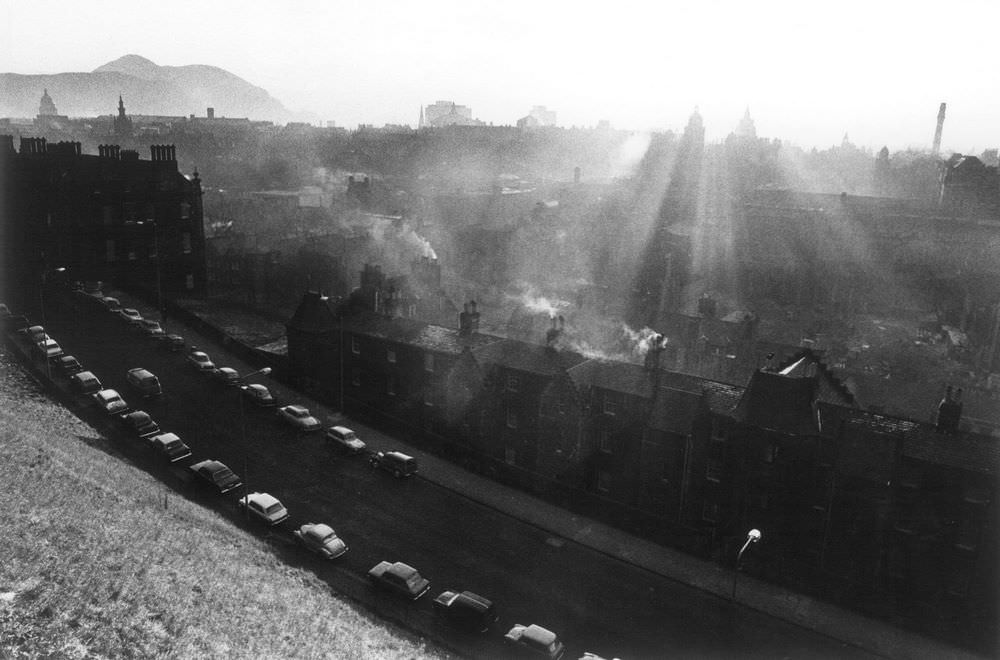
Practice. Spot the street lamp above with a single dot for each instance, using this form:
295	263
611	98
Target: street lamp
243	434
753	536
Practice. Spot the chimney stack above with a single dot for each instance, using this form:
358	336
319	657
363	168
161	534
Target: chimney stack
937	131
652	361
468	319
949	412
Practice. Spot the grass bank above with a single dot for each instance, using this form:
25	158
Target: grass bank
100	560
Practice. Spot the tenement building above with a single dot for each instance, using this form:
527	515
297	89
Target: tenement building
109	217
892	516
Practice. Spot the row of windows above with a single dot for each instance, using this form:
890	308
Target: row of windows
390	354
111	249
130	214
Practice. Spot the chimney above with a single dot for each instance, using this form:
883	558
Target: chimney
652	360
937	131
211	113
949	412
555	332
468	319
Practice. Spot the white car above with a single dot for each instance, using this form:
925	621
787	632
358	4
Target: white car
299	417
200	361
111	402
536	641
265	507
344	438
132	316
49	348
321	539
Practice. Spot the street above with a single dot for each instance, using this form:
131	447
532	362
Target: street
593	602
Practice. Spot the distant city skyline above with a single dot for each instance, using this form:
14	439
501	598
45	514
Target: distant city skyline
873	71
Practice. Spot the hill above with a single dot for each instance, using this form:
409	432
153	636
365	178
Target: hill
95	566
147	88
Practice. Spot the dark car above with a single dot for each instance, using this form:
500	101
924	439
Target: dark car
535	641
227	376
141	423
400	578
216	475
170	342
396	463
85	382
466	610
69	365
258	395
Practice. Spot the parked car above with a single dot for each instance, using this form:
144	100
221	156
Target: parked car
227	376
216	475
49	348
170	342
346	439
111	402
141	423
466	610
150	329
299	417
258	395
85	382
35	333
265	507
399	578
130	315
143	382
171	446
111	304
200	361
536	641
69	365
321	539
395	462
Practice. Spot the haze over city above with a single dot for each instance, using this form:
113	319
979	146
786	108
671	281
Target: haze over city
810	75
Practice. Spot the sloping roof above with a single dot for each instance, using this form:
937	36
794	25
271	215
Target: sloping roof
313	314
830	388
674	410
780	403
527	357
632	379
965	451
415	333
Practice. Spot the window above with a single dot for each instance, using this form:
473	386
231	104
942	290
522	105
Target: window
716	456
185	210
390	355
510	456
604	441
189	282
429	362
356	377
390	385
355	346
513	382
561	407
770	453
603	481
107	214
511	419
186	242
610	403
710	512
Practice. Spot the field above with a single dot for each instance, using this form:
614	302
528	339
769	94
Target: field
100	560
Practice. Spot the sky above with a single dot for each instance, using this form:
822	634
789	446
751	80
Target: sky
809	71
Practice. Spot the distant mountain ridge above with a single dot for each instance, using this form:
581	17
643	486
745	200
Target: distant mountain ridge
147	89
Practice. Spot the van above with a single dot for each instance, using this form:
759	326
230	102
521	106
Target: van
394	462
143	382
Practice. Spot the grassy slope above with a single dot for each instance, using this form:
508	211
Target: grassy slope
94	566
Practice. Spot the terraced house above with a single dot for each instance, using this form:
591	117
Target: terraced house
857	506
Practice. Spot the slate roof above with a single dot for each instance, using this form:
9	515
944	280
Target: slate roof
531	358
780	403
631	379
429	337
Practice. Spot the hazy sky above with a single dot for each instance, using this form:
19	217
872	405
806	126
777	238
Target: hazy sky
809	71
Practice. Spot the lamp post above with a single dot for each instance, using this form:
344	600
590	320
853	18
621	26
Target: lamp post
753	536
243	435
